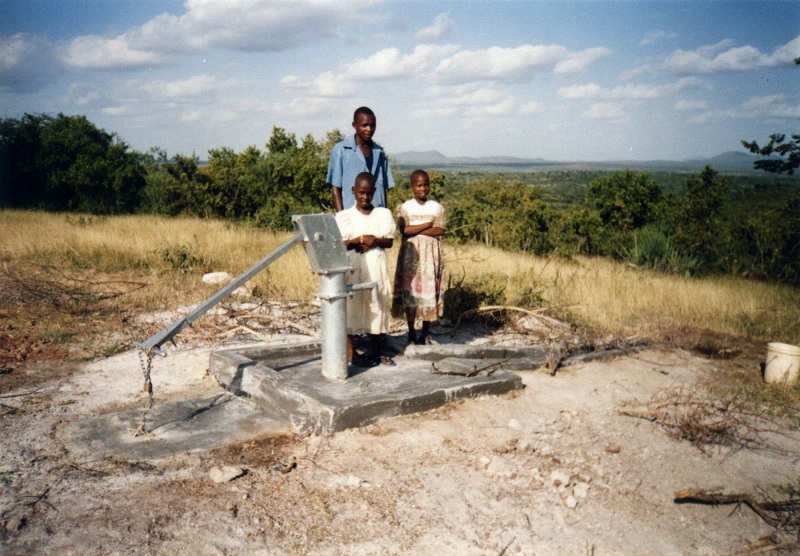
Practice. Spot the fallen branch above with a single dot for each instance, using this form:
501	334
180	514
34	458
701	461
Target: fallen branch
493	309
692	415
284	322
762	509
783	515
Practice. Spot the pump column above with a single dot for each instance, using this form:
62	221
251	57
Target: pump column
333	301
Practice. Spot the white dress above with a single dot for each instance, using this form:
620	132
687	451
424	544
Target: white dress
364	316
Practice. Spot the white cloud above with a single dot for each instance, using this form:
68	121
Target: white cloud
388	63
440	29
776	106
26	62
515	63
193	86
305	107
473	100
245	25
722	57
758	107
99	53
114	110
606	111
592	91
191	116
656	36
691	105
640	71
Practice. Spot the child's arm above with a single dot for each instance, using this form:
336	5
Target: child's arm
425	229
362	244
368	242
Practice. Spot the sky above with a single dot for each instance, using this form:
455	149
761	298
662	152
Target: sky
560	80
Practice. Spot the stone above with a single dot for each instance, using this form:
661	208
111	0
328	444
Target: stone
216	278
560	478
580	490
16	524
514	424
570	502
499	467
225	473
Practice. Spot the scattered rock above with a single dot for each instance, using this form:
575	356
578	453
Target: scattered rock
580	490
216	278
560	478
613	448
570	502
225	473
16	524
498	467
355	482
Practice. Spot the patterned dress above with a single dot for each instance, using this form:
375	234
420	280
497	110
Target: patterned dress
363	315
420	264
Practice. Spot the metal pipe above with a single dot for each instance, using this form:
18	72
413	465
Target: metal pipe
333	301
157	340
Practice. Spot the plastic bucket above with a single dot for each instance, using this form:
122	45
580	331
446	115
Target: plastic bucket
783	364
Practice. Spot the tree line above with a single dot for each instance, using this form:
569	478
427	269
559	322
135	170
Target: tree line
65	163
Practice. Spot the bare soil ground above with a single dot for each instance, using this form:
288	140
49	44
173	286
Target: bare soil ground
557	468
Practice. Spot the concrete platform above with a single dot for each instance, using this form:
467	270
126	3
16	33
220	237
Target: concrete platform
197	424
278	389
287	381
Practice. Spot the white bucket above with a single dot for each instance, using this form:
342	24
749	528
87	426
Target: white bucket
783	363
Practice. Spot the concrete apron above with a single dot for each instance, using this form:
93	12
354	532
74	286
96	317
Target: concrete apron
280	389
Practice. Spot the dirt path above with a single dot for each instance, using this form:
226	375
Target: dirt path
553	469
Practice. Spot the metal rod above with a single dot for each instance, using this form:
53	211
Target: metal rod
157	340
333	303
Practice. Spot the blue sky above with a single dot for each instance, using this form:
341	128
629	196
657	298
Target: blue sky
562	80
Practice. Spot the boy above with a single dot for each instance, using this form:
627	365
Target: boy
357	154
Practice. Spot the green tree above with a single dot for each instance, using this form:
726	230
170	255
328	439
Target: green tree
788	151
67	163
701	228
625	202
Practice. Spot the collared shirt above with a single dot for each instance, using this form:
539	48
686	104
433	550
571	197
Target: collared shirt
347	161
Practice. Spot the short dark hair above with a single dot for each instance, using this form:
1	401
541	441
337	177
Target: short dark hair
365	176
416	173
363	110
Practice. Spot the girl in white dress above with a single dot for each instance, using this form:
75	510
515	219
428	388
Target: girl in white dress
367	231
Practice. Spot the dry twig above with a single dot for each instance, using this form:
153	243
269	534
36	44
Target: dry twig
693	415
783	515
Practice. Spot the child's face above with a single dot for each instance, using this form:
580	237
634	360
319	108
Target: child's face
363	191
420	187
365	127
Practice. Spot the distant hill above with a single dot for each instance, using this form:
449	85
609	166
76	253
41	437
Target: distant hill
731	161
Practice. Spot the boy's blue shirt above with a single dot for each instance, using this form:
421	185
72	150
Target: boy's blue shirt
347	161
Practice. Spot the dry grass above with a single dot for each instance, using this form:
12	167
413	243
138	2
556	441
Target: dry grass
169	256
614	297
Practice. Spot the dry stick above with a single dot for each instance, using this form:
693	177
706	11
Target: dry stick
300	327
492	308
28	393
760	508
503	551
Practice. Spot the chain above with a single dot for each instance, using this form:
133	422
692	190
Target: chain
148	387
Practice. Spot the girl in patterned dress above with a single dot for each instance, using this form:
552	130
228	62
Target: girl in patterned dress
418	278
